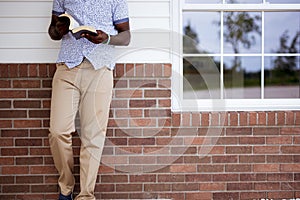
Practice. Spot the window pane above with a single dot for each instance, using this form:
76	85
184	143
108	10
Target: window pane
282	77
282	1
201	32
281	32
201	78
243	1
242	77
242	32
203	1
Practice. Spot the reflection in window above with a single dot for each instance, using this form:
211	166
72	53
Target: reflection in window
284	37
242	77
282	77
203	1
282	1
201	78
201	34
242	32
244	1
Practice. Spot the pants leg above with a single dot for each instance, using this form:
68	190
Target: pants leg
96	87
64	106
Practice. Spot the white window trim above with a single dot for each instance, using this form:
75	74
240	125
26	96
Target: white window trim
180	104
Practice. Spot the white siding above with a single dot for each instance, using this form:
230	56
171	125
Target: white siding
24	38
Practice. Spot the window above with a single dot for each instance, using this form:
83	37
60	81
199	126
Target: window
237	55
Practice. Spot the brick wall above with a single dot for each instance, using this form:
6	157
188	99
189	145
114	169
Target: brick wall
150	151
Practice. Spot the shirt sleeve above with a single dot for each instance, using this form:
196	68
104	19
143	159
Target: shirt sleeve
58	7
120	12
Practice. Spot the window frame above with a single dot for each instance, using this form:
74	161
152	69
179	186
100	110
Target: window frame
181	104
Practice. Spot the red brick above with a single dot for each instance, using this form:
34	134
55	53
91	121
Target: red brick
13	113
15	189
12	94
280	140
280	177
253	195
14	151
129	187
185	187
144	178
290	131
15	170
253	118
266	167
238	168
212	186
243	118
29	161
157	93
239	150
240	186
157	187
167	70
252	140
5	104
209	168
225	195
225	177
23	70
266	131
169	178
158	70
238	131
281	195
6	161
225	159
290	149
262	118
5	123
290	167
280	158
183	168
142	103
129	70
271	118
26	84
253	177
5	84
252	159
27	123
29	179
114	178
205	119
266	149
176	119
141	141
268	186
198	195
39	94
27	104
233	118
280	118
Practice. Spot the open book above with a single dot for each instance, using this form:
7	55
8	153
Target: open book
75	28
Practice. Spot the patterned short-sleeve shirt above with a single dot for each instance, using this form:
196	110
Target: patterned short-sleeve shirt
103	15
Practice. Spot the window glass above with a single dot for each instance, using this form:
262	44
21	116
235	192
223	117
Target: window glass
282	31
201	32
203	1
244	1
282	1
242	77
201	78
282	77
242	32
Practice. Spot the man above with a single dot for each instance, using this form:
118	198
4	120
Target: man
83	81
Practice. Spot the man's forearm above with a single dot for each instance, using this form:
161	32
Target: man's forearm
121	39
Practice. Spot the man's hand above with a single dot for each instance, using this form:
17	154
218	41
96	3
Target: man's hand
58	28
97	39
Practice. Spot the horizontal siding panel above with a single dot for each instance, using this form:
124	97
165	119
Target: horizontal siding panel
43	41
40	25
25	9
43	9
50	55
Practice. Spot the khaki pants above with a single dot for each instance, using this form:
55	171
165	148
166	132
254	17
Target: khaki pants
88	91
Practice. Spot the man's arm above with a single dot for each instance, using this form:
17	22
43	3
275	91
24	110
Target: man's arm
121	39
57	29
